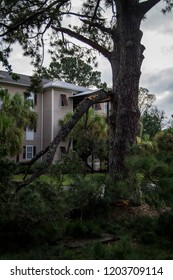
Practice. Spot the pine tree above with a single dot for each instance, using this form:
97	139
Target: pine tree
110	27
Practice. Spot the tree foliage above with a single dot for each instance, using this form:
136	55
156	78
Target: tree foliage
73	70
26	22
153	121
90	135
15	116
145	100
164	140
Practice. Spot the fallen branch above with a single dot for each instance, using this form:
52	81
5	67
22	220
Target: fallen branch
80	110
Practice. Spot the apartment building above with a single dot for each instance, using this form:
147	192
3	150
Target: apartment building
55	100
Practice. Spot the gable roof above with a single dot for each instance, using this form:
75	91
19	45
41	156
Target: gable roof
64	85
24	80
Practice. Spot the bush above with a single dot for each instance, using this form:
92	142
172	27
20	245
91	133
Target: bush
148	237
122	250
144	229
82	229
32	215
164	140
7	170
85	195
165	224
70	163
145	223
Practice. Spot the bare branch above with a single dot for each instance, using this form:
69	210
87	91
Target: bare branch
83	39
81	15
96	8
144	7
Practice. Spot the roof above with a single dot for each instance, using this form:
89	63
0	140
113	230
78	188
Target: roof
86	92
24	80
64	85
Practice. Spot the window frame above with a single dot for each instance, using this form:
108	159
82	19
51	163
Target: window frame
97	107
25	152
32	98
32	152
28	134
63	100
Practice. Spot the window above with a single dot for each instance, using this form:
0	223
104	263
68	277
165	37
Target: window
32	98
63	100
31	101
97	106
29	134
29	151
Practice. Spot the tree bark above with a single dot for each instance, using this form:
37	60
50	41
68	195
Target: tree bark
126	65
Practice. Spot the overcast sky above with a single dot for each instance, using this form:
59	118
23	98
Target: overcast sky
157	68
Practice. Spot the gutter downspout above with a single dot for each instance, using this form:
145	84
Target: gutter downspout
52	114
42	122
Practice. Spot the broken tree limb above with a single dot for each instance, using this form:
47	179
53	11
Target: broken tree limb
80	110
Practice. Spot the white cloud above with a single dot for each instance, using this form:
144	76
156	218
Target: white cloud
160	83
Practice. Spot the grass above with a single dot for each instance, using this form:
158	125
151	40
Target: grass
66	179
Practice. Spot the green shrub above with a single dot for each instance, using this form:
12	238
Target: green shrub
85	194
7	170
70	163
165	224
83	229
122	250
98	251
32	215
145	223
164	140
148	237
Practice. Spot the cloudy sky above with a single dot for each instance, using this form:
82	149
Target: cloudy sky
157	68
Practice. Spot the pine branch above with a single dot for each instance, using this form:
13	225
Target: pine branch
32	16
83	39
98	25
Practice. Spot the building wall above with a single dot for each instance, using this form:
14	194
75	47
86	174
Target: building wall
53	111
59	114
50	110
47	117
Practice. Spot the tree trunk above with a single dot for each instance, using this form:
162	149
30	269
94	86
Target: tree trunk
126	65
